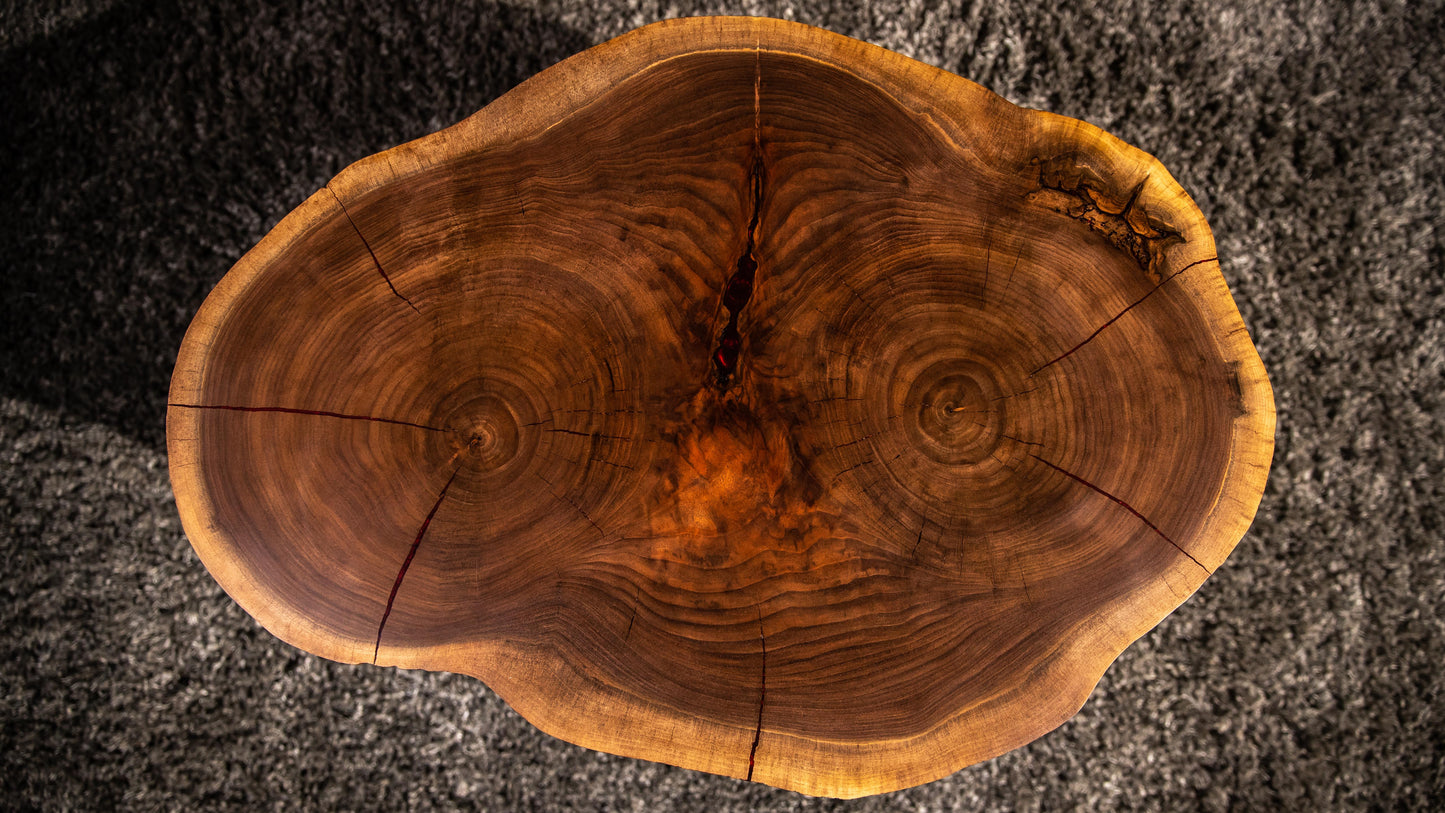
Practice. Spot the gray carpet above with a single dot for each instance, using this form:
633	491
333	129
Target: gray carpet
144	146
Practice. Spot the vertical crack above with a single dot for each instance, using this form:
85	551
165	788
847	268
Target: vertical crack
364	242
416	543
1155	528
636	598
740	285
987	261
762	696
1010	281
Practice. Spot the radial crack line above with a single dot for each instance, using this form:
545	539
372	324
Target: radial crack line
364	242
762	697
1127	507
636	598
1010	281
416	543
1021	441
987	261
739	287
1136	304
321	413
573	503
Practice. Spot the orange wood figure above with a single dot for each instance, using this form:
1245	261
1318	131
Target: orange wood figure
735	395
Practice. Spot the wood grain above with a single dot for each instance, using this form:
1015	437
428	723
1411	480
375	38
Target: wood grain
734	395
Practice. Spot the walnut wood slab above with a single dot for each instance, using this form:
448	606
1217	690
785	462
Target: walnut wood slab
735	395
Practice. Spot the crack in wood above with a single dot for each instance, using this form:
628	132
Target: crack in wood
318	412
1010	281
762	696
739	288
406	564
1021	441
1135	304
593	435
852	467
853	442
1013	394
572	503
987	261
1127	507
364	242
636	598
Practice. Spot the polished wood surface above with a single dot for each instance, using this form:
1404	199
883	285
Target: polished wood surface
734	395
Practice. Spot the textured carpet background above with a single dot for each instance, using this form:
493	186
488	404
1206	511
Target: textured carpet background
144	146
